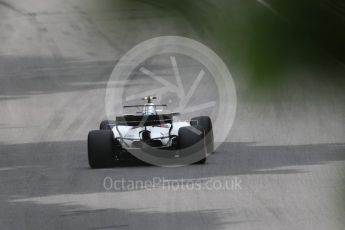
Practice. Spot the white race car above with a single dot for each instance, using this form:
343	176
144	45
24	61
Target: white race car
150	135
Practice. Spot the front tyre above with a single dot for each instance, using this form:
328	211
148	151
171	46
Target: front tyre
106	125
101	149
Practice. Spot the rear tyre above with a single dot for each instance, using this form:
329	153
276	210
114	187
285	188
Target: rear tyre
205	123
191	141
107	125
101	149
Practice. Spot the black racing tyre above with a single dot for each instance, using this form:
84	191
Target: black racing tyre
206	123
101	149
191	141
107	125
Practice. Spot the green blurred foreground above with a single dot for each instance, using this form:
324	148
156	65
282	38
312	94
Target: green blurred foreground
267	40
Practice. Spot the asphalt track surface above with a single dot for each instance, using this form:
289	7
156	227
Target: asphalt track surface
55	60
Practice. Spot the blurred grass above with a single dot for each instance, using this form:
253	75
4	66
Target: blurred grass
267	39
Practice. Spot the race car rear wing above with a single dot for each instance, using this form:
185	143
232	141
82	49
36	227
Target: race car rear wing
142	120
137	106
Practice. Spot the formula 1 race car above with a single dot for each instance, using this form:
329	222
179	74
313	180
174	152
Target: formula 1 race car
149	132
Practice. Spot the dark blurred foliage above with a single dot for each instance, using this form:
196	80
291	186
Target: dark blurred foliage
267	39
